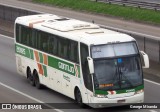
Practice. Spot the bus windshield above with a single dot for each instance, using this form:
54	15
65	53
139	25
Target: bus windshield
117	71
114	50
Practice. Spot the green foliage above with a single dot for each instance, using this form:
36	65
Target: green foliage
131	13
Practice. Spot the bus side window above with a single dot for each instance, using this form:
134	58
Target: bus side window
85	68
73	51
34	38
63	46
25	35
18	33
43	41
52	45
39	40
29	37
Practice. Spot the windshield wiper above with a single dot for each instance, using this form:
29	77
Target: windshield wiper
116	76
122	75
95	81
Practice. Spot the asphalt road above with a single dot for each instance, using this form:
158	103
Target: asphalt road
8	96
152	1
100	19
9	77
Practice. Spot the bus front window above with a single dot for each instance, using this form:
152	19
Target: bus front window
117	73
121	70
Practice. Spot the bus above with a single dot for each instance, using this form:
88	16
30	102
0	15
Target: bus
92	65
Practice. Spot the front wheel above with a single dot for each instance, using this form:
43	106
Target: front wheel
78	98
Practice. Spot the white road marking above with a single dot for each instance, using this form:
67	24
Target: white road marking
152	82
4	36
153	111
58	110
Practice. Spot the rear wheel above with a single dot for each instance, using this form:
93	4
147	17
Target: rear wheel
37	82
30	77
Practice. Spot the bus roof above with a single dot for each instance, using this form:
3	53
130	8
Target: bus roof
77	30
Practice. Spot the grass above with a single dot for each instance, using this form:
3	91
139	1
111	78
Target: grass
129	13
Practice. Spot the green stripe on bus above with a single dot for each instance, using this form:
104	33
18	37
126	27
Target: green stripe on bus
130	90
121	91
31	54
45	70
22	51
78	71
101	92
52	62
61	65
40	57
139	88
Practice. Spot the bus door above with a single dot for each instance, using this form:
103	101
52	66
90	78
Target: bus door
87	77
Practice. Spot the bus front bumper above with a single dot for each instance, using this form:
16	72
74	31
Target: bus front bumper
106	102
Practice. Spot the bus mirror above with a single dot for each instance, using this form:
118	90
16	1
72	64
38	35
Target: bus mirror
90	65
145	59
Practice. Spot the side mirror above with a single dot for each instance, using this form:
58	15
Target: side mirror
90	65
145	59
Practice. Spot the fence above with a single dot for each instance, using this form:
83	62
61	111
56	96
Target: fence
139	4
147	43
10	13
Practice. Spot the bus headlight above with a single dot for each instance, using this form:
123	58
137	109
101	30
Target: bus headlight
101	96
139	91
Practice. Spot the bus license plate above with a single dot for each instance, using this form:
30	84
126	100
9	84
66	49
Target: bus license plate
121	101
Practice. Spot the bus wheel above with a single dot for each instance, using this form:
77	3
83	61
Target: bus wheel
37	82
30	77
78	98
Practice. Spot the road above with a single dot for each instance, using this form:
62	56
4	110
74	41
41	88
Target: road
100	19
9	77
9	96
152	1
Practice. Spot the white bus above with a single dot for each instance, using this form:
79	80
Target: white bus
81	60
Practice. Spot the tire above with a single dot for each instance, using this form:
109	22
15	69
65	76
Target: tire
37	82
30	77
78	98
